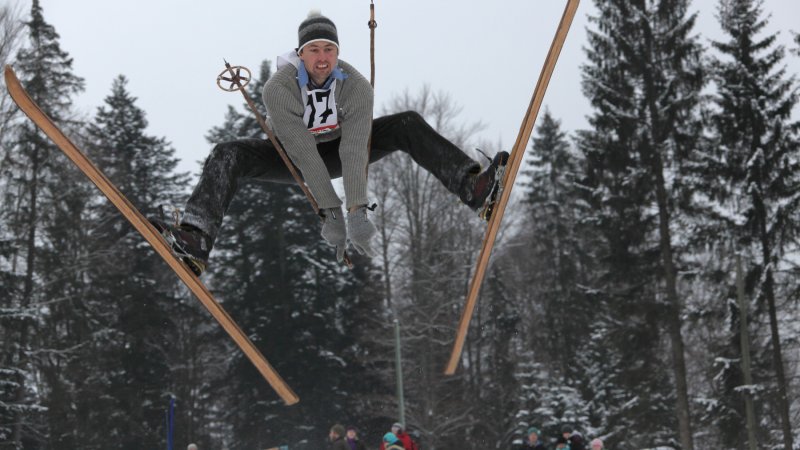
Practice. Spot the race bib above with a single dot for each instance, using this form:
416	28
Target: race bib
320	115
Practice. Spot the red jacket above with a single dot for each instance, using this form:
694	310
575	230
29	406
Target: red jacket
408	444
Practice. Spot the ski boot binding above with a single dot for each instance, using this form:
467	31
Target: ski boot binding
188	243
488	186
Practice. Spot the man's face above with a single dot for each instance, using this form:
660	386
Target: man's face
395	430
319	57
351	434
332	435
597	446
533	437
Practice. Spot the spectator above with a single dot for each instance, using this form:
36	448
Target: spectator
404	437
597	444
191	447
562	442
532	441
390	442
353	442
336	436
576	441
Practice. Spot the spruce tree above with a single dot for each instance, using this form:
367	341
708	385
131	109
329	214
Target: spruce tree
752	160
11	28
616	188
643	78
550	403
127	328
42	229
554	251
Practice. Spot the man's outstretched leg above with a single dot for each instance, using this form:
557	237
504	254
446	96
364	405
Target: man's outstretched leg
410	133
227	164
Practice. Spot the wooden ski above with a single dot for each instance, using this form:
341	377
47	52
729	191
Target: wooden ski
143	226
514	161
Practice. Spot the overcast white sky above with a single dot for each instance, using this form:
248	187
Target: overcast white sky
486	54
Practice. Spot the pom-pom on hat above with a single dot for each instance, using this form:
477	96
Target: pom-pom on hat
316	27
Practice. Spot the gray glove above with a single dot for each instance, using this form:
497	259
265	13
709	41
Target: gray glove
360	230
333	230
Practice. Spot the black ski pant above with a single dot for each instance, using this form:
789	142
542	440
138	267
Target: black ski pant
257	158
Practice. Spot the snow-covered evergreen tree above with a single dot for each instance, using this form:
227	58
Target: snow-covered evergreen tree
122	320
42	213
11	28
751	176
555	257
550	404
643	78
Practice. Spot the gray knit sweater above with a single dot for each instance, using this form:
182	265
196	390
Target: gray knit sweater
354	100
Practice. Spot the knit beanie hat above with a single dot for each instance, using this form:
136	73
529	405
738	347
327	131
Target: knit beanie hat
596	442
316	27
389	438
534	430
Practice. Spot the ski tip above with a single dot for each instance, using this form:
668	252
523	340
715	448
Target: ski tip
10	77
